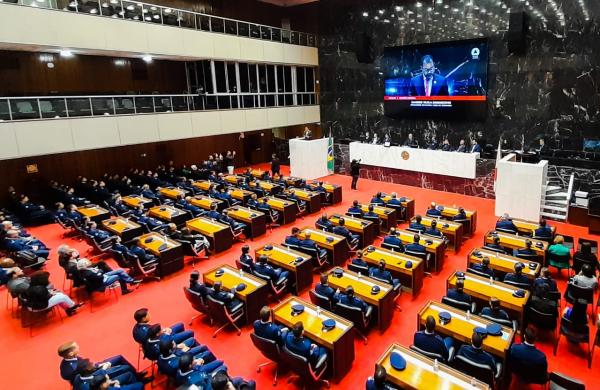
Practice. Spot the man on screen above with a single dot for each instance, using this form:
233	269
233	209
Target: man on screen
428	83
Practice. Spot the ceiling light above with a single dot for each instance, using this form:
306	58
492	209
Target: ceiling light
105	5
147	18
168	10
418	4
93	11
365	14
381	12
156	16
120	62
147	58
46	57
66	53
114	1
376	17
130	7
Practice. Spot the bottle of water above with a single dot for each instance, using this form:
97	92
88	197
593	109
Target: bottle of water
468	315
318	311
436	365
491	280
242	273
359	275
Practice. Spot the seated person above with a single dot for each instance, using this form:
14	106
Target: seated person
428	341
103	382
143	255
300	345
433	230
149	194
370	213
40	295
266	208
540	302
358	260
558	249
151	346
100	236
416	247
392	239
118	246
310	244
96	278
525	359
73	215
586	278
61	212
543	231
235	225
213	213
293	239
323	288
585	256
33	212
495	245
142	326
432	211
291	195
457	293
253	201
152	223
88	375
506	224
16	283
461	215
527	252
14	243
379	380
193	371
168	360
343	231
517	276
475	353
265	328
577	313
356	209
545	278
395	201
221	381
245	258
377	199
380	273
324	223
196	241
188	206
228	298
119	206
483	267
276	275
197	286
494	311
347	298
417	225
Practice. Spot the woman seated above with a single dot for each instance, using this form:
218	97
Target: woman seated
41	295
586	278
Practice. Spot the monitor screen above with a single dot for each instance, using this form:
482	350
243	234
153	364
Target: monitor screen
445	80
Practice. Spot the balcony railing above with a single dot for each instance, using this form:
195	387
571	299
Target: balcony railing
49	107
169	16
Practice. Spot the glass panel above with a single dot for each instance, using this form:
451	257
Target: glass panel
276	34
152	14
285	36
303	39
109	9
180	103
294	38
4	110
187	19
270	78
208	85
231	78
53	108
262	78
217	24
162	104
79	107
248	101
124	105
287	77
312	41
300	86
281	100
243	29
132	11
220	76
143	104
234	102
211	103
224	103
102	106
280	80
169	17
254	31
230	27
310	79
204	22
244	81
265	33
289	99
270	100
89	7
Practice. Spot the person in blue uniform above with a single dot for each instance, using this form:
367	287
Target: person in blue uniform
293	238
475	353
87	372
506	224
194	371
266	208
379	380
324	223
429	341
355	210
323	288
103	382
309	243
495	245
277	275
253	201
358	260
433	211
265	328
99	235
246	258
433	230
300	345
392	239
395	201
525	359
228	298
168	360
197	286
495	311
526	252
343	231
417	225
188	206
14	243
460	215
213	213
457	293
222	381
545	278
381	273
484	267
543	231
416	247
517	276
370	213
377	199
347	298
142	325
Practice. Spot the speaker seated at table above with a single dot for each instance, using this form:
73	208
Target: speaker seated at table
473	360
392	242
358	264
433	211
495	245
355	210
506	225
383	275
429	343
416	225
324	224
496	314
277	277
340	229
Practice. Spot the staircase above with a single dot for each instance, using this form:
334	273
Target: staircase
556	199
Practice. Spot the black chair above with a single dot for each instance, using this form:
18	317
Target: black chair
522	286
322	227
269	349
146	271
393	248
397	289
433	355
464	306
509	231
241	266
317	260
218	312
593	244
560	262
480	371
364	270
359	318
508	323
577	333
320	300
558	381
303	368
478	273
31	317
528	376
575	292
542	321
198	304
277	287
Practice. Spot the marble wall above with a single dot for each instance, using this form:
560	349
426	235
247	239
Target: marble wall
552	91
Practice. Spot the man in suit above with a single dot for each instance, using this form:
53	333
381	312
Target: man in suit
87	372
517	276
96	278
370	213
393	240
228	298
265	328
213	213
300	345
324	223
323	288
359	261
428	83
142	325
433	230
545	278
277	275
429	341
446	147
494	311
417	225
457	293
416	247
343	231
275	164
14	243
506	224
461	215
433	211
543	231
484	267
377	199
495	245
383	274
527	252
293	239
355	210
475	353
462	148
347	298
475	147
144	256
355	172
526	360
379	380
310	244
540	302
411	142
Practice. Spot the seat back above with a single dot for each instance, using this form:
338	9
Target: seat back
457	304
504	230
541	320
243	266
559	259
217	309
501	321
268	348
573	331
195	299
575	292
358	268
480	371
351	313
476	272
431	355
320	300
523	286
420	255
391	247
299	364
558	380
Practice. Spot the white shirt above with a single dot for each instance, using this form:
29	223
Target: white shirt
427	84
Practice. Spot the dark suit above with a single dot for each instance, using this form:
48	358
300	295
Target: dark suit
344	232
434	212
506	225
353	302
544	232
458	296
527	360
417	226
416	248
434	232
500	314
544	306
302	346
270	331
395	241
383	275
355	210
326	291
486	270
477	355
550	282
439	87
515	278
433	343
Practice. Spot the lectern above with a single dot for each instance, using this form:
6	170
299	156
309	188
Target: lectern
308	158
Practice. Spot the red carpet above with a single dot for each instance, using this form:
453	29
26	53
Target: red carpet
32	363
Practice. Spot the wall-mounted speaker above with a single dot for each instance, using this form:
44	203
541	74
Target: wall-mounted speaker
363	49
517	31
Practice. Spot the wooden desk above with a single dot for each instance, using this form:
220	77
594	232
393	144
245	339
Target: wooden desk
501	263
241	195
339	341
259	173
527	227
337	249
234	179
134	201
382	302
202	185
408	204
282	257
123	227
481	290
94	212
437	249
513	241
454	230
286	208
411	278
172	192
256	221
367	230
266	186
419	373
461	329
292	181
333	189
254	295
169	214
312	199
387	215
450	212
170	256
206	202
218	233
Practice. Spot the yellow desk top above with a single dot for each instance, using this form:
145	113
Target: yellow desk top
408	238
257	172
420	375
313	327
351	223
362	286
504	263
452	226
233	179
231	278
387	197
239	194
119	224
135	200
157	240
518	241
165	212
91	210
303	194
379	210
204	201
172	192
528	226
206	226
265	185
320	236
452	211
203	185
276	203
282	255
328	187
243	213
462	328
393	260
479	286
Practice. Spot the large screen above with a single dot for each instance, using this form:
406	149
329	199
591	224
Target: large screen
446	80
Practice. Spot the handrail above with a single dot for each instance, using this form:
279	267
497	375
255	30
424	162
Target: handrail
157	14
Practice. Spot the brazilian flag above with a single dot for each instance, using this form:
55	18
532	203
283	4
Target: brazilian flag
330	154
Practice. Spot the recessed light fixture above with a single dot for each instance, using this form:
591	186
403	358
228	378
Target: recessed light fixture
365	14
66	53
120	62
147	58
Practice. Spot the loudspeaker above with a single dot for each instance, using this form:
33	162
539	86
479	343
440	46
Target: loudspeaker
517	29
364	52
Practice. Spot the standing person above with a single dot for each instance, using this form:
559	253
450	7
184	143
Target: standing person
229	161
355	171
275	165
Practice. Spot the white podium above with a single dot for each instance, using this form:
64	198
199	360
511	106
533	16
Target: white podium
308	158
519	188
